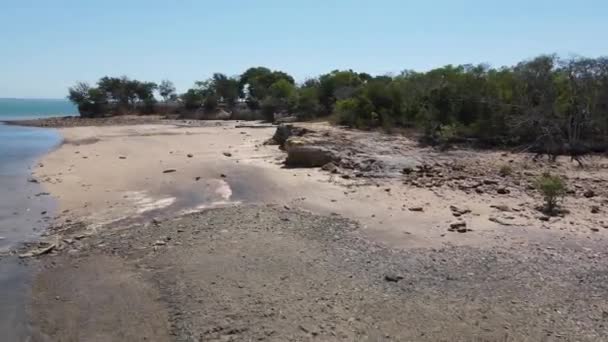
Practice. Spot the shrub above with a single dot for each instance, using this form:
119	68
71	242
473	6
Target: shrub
553	190
505	170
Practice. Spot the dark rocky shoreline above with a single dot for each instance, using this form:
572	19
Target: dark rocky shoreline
264	273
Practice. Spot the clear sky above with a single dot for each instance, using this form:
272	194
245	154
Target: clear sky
47	45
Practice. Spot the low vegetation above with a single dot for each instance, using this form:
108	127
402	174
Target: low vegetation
553	190
553	106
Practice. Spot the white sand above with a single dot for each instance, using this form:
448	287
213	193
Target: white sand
94	185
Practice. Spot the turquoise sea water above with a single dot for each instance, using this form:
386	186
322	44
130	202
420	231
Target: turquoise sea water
11	109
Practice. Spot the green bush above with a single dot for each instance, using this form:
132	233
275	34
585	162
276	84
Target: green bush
505	170
553	189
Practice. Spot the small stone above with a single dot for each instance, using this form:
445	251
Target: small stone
330	167
416	209
197	178
227	154
502	191
490	182
32	180
544	218
589	193
457	212
595	230
222	175
595	209
501	207
122	157
459	226
189	155
394	278
169	171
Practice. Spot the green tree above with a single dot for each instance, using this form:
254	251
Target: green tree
166	90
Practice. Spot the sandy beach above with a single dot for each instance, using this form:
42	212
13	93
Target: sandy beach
197	230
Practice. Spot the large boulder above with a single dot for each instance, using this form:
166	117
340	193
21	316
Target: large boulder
302	153
285	132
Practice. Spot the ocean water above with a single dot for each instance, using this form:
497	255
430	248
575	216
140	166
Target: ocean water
20	147
24	210
14	109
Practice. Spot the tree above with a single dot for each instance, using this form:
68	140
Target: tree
281	97
255	84
192	99
166	90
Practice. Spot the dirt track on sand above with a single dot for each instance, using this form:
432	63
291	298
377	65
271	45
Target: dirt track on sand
263	273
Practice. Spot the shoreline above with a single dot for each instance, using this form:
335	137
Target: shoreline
150	212
16	274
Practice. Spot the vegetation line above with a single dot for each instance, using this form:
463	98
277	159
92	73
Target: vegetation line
549	102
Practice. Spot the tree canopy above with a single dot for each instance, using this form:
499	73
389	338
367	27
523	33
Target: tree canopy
535	99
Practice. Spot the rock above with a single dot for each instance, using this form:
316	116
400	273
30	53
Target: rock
197	178
223	175
394	278
458	226
416	209
407	170
459	211
589	193
544	218
490	182
38	251
285	132
501	207
330	167
595	209
169	171
503	191
302	154
122	157
189	155
32	180
227	154
595	230
42	194
499	221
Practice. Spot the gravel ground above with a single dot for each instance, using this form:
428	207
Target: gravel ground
273	274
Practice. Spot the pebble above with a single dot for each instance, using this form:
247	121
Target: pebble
394	278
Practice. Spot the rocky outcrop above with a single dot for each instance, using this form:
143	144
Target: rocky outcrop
304	153
285	132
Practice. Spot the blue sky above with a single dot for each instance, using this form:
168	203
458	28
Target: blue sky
47	45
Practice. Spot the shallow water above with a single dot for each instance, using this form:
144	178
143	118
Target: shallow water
20	207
